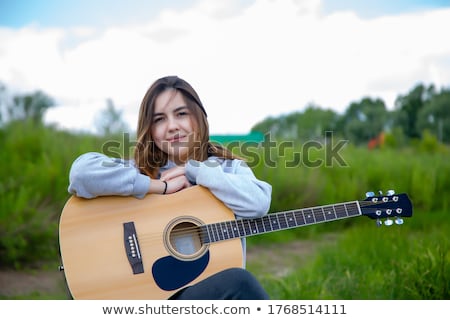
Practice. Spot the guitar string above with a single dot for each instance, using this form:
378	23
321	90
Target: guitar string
267	222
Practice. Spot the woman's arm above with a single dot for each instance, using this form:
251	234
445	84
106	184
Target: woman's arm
94	174
234	183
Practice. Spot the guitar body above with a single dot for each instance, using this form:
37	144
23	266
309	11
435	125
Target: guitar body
126	248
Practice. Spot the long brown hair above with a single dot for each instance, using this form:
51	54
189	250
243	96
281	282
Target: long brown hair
148	157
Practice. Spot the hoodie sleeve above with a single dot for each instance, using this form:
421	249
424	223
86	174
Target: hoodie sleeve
94	174
234	183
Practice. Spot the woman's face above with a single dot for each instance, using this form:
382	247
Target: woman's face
173	126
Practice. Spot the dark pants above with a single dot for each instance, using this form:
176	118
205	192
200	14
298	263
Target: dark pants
229	284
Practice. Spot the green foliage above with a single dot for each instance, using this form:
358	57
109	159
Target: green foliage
364	120
300	125
422	108
25	107
409	107
434	117
424	175
33	188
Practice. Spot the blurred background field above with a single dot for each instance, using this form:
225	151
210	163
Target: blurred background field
405	150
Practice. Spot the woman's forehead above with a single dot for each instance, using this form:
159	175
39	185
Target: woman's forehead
168	99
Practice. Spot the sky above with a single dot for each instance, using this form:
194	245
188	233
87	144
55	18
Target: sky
247	59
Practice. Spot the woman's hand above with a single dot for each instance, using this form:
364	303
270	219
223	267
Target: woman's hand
176	179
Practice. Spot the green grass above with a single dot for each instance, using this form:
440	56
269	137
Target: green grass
398	262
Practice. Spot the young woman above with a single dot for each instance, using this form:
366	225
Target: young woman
173	152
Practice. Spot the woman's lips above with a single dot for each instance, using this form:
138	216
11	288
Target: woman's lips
176	139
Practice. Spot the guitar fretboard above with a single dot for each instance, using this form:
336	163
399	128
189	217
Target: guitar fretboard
277	221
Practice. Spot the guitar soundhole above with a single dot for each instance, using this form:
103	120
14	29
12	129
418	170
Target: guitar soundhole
183	238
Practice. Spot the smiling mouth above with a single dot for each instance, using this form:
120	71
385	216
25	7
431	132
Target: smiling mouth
176	139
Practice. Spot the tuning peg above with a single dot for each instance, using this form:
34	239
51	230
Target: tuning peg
388	222
398	221
370	194
390	192
379	223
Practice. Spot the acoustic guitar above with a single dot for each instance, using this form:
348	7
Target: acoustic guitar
117	247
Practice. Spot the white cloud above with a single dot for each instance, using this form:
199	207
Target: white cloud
268	58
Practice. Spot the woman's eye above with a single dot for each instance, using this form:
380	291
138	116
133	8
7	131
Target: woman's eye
157	119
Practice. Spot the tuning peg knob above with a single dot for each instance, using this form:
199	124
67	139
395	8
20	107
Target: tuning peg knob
379	223
390	192
398	221
370	194
388	222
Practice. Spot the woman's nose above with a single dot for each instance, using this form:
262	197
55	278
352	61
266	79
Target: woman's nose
172	123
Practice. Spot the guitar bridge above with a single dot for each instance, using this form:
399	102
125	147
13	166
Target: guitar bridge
132	248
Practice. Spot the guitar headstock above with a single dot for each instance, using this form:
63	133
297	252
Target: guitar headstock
391	206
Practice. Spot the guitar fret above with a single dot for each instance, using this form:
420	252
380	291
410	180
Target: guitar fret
267	223
318	215
204	234
283	222
291	219
224	228
263	224
274	223
211	233
329	213
240	224
253	227
346	211
236	228
225	232
246	226
259	225
232	234
300	216
309	216
230	230
294	215
341	211
353	209
217	232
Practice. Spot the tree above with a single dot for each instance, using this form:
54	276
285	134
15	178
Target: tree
409	107
309	124
435	116
315	121
109	121
364	120
28	106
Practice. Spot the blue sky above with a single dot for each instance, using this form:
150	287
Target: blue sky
373	8
267	57
70	13
56	13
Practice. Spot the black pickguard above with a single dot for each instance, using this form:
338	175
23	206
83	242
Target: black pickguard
170	273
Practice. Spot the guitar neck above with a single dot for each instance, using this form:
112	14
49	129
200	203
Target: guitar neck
241	228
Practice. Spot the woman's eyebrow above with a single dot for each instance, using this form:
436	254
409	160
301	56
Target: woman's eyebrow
180	108
174	110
